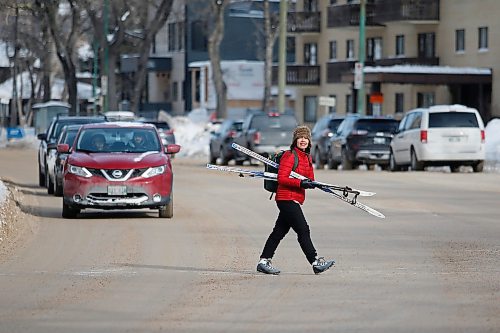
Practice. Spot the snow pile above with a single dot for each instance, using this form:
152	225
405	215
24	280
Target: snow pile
492	144
3	198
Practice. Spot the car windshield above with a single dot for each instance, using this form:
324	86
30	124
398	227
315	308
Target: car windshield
452	119
377	125
282	122
114	140
334	124
70	137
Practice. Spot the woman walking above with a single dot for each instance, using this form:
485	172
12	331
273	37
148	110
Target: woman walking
290	195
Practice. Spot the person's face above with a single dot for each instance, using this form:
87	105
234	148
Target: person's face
302	143
138	139
99	144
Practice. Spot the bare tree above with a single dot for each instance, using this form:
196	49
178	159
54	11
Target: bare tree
271	32
154	23
214	40
64	26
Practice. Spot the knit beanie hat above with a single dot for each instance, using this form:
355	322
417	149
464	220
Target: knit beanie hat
301	132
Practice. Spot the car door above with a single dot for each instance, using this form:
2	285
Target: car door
398	142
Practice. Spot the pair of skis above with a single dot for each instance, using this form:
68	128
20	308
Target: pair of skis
325	187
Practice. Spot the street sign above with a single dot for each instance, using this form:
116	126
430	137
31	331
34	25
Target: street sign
327	101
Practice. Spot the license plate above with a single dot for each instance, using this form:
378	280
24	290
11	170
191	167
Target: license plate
454	139
117	190
379	141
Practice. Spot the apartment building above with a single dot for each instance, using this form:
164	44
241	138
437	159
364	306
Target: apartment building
418	53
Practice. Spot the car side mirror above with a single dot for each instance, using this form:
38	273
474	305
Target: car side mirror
63	148
172	149
42	136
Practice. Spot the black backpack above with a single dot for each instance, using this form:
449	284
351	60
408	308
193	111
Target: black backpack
271	185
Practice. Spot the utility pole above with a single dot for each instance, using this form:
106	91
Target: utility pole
104	78
360	68
14	111
282	56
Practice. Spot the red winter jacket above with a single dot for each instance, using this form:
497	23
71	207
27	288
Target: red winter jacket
289	188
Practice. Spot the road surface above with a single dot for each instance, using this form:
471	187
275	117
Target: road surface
431	266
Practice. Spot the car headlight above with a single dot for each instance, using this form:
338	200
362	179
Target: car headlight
151	172
79	171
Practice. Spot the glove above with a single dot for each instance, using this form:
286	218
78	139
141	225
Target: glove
307	184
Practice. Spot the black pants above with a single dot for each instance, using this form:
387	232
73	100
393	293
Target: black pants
290	216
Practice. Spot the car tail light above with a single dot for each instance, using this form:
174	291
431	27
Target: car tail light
232	134
256	138
423	136
170	131
483	136
359	132
273	114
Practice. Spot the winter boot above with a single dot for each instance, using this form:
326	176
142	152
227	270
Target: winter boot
265	266
320	265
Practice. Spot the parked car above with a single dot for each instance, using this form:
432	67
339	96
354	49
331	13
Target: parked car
265	133
451	135
57	159
322	132
221	140
362	140
48	143
166	132
108	167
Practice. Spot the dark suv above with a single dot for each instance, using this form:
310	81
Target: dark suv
48	141
266	133
322	132
362	140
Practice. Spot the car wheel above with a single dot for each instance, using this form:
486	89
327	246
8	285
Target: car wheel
69	212
223	159
393	166
478	167
212	159
49	183
318	163
415	164
58	189
331	163
455	168
167	211
41	176
346	163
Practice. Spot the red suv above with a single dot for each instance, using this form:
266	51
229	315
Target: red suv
118	166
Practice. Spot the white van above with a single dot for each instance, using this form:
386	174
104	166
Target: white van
451	135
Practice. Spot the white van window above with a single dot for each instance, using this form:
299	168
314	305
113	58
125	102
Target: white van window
452	119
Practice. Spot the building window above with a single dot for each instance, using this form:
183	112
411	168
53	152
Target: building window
426	45
333	109
310	109
460	40
349	106
399	106
198	36
483	38
333	2
374	48
350	49
400	45
180	35
333	50
425	100
311	6
311	53
171	36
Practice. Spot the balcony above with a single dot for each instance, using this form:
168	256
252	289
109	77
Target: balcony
407	10
335	70
300	22
382	11
341	16
306	75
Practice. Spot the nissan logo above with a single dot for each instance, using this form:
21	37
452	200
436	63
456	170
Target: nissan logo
117	173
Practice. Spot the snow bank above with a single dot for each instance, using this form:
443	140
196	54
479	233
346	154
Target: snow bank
492	143
3	198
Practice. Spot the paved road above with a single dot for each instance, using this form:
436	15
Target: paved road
431	266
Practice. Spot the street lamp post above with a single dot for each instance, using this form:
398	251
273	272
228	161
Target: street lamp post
104	78
282	56
362	51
